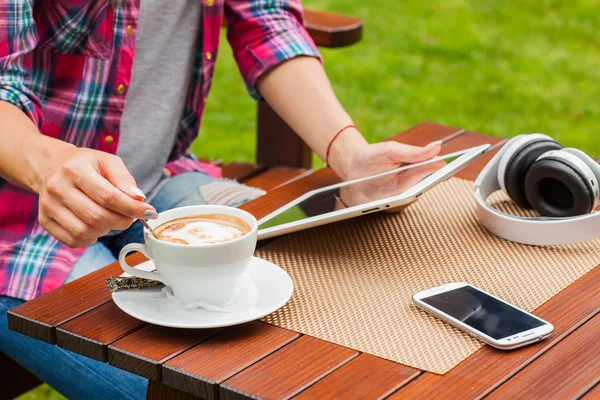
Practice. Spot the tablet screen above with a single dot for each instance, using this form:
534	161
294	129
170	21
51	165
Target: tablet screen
362	191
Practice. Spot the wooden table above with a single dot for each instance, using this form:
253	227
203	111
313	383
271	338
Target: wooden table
257	360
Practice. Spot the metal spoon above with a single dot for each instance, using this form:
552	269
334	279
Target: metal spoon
149	214
143	221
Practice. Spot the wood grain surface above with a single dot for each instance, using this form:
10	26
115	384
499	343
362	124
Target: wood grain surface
567	369
332	30
89	334
288	371
144	350
365	377
240	171
593	393
202	368
277	176
39	317
158	391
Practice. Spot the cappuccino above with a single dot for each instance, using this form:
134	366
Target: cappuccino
202	229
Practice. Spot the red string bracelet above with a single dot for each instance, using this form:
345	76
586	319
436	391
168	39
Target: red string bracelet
333	139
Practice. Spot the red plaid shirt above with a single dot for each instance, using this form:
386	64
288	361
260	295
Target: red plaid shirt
67	64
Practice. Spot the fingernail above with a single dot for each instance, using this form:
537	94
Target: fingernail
434	144
135	190
150	214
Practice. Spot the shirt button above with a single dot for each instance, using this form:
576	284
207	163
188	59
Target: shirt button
208	55
109	139
121	89
210	2
129	29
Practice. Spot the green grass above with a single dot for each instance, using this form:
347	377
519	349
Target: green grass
495	67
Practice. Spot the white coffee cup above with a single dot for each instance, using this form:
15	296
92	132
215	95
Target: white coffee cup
199	272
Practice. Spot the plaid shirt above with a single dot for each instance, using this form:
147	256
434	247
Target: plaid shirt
67	64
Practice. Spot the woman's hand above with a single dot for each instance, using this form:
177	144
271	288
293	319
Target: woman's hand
352	157
84	194
388	185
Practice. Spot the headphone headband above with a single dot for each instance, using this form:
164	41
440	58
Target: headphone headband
534	231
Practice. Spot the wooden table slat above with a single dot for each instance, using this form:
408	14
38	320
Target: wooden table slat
593	393
365	377
565	311
288	371
89	334
39	317
201	369
242	171
144	350
567	369
277	176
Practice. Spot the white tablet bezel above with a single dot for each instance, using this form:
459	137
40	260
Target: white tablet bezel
408	196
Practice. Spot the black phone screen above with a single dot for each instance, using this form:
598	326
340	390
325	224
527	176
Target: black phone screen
483	312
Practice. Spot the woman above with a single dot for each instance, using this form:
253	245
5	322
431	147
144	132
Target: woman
88	133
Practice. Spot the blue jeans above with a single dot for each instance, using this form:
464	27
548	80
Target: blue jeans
75	376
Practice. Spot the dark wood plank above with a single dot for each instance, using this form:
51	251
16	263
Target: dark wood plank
39	317
566	311
427	132
593	393
566	370
201	369
365	377
277	144
240	171
277	176
332	30
160	391
14	379
144	350
91	333
287	371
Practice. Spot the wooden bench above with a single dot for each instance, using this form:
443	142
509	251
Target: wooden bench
281	157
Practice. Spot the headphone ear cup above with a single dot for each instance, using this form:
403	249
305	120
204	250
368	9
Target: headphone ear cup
556	189
519	164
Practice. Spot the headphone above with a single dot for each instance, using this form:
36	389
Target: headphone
561	184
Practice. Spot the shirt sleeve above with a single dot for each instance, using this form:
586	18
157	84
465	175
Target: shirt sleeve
18	37
265	33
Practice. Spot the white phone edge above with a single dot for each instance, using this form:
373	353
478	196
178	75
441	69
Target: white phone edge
508	343
405	198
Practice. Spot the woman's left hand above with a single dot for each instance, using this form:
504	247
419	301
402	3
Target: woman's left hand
352	157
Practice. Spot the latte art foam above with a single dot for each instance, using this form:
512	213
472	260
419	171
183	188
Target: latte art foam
202	229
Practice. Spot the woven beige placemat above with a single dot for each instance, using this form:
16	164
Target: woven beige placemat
354	279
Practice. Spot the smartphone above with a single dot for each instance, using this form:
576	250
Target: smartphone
483	316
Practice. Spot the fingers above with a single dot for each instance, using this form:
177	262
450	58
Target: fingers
115	171
93	214
410	177
398	153
69	234
104	193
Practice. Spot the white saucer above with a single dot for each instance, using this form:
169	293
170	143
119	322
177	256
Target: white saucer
273	284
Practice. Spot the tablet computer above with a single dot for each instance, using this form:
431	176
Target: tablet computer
383	191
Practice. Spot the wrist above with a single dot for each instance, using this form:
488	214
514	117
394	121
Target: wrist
342	150
41	153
